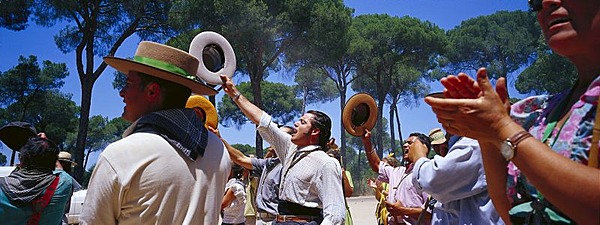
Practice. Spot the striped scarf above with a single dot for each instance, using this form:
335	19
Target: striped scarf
25	184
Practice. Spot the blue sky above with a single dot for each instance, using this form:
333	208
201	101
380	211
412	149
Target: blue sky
39	41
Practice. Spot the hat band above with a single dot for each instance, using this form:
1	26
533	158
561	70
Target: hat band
164	66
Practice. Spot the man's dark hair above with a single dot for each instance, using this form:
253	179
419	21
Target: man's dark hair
39	153
176	95
323	123
237	171
335	154
423	138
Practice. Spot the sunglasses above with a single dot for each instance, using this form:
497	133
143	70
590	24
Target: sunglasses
535	5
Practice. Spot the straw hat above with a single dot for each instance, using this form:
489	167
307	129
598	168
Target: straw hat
437	136
197	101
15	134
66	156
360	113
164	62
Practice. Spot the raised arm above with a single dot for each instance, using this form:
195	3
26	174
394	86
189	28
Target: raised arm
248	108
236	156
370	152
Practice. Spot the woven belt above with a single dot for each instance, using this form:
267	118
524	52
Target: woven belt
295	218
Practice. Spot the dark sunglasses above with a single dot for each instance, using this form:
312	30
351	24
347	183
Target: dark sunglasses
535	5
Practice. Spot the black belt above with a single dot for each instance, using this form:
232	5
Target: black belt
290	208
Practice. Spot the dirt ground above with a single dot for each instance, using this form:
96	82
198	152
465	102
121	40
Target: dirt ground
362	209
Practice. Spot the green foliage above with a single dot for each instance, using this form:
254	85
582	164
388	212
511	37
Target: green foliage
98	28
245	148
392	55
502	42
14	14
87	175
101	132
264	34
281	103
313	87
24	82
104	24
549	74
30	93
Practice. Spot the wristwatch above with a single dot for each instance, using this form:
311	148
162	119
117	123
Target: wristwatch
508	146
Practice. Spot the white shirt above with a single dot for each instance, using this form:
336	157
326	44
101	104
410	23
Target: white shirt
315	181
141	179
234	212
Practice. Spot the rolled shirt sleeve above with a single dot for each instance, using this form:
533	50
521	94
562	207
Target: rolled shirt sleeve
280	140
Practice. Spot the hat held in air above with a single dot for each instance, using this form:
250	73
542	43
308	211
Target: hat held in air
360	113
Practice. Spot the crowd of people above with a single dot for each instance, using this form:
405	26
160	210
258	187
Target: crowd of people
532	162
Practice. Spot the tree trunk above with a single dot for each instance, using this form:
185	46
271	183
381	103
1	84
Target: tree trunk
12	158
86	101
87	156
255	81
399	126
342	130
379	137
392	134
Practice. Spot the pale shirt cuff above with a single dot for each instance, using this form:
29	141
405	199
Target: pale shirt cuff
265	120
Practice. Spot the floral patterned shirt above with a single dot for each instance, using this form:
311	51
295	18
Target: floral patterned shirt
572	140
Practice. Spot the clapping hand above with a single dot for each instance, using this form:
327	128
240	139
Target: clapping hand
473	117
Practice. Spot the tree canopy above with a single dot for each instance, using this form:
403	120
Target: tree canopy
31	94
283	105
314	87
502	42
266	35
91	29
385	47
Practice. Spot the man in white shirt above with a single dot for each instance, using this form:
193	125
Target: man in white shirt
167	169
311	181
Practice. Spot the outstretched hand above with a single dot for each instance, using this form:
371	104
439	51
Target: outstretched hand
228	86
473	117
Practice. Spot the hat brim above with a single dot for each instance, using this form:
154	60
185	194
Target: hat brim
197	48
126	65
360	113
196	101
69	161
15	137
438	142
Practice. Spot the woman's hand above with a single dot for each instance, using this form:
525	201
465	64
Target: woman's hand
461	86
479	118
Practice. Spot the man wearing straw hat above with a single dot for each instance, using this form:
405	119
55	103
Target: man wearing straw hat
311	182
456	180
167	169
